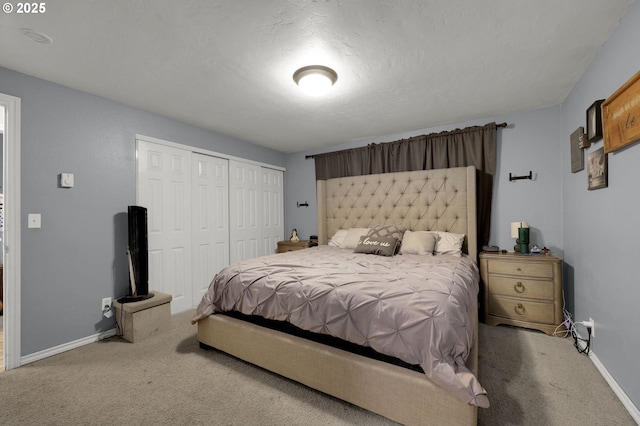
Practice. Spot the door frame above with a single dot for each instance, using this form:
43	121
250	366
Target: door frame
12	223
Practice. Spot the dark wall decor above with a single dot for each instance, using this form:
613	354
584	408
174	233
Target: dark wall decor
598	170
577	154
594	122
621	116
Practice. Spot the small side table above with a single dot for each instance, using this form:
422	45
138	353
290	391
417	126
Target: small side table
288	245
522	290
140	320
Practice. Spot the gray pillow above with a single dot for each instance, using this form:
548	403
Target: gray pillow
382	246
394	231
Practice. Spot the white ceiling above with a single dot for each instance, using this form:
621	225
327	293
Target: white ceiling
402	65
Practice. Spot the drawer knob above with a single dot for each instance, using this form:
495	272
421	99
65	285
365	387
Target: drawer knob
519	269
519	309
519	288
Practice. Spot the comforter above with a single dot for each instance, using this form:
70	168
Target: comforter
420	309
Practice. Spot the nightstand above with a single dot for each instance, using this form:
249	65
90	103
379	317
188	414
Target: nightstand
522	290
288	245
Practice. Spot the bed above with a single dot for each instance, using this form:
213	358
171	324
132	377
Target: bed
434	200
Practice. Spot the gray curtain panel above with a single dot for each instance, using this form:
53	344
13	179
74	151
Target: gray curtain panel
471	146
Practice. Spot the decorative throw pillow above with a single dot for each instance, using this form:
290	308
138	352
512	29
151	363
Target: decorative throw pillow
353	237
382	246
449	243
395	231
418	242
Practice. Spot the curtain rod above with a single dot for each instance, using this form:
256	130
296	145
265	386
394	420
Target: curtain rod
504	125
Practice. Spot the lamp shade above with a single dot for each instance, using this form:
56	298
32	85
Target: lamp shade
515	226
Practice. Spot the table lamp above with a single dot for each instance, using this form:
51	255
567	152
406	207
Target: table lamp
520	231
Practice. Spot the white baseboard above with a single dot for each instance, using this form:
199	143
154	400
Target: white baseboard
622	396
37	356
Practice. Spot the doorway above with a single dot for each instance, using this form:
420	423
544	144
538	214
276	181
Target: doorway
10	244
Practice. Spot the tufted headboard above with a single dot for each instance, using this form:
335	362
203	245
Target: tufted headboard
423	200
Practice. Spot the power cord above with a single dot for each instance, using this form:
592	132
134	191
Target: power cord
564	329
579	341
570	327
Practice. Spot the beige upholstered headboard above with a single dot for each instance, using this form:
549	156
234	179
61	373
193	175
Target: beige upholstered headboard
424	200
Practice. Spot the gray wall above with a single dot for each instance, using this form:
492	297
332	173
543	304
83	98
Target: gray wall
600	235
529	144
592	230
78	256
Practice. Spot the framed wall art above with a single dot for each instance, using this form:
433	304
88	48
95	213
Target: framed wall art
577	154
597	169
594	122
621	116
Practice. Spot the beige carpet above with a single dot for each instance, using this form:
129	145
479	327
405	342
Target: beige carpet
532	379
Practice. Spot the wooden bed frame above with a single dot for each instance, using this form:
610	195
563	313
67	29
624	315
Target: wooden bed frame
441	200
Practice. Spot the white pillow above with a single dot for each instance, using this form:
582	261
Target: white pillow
338	238
418	242
353	237
449	243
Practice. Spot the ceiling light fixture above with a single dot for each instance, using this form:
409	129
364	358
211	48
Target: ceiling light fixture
315	80
37	36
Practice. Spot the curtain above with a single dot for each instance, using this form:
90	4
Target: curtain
472	146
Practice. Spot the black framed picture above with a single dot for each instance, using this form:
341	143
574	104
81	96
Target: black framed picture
594	122
597	169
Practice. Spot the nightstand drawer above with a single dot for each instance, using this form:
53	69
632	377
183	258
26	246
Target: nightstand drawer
521	288
521	310
525	269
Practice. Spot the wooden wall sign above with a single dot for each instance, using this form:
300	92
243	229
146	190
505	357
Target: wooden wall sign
621	116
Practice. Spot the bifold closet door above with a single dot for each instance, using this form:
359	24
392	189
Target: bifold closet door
244	220
210	220
164	188
272	209
204	212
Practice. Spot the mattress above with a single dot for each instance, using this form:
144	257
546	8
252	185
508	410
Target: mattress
419	309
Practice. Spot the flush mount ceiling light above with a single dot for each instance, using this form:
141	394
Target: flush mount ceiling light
36	36
315	80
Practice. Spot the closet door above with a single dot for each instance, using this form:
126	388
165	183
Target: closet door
272	209
244	202
164	188
210	220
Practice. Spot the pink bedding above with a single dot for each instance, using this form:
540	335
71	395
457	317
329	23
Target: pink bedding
420	309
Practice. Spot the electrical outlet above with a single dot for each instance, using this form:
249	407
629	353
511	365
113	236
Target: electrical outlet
106	304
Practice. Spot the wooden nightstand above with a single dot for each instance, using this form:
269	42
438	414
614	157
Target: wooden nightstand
287	245
522	290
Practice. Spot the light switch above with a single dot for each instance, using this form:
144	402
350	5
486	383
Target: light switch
34	220
66	180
